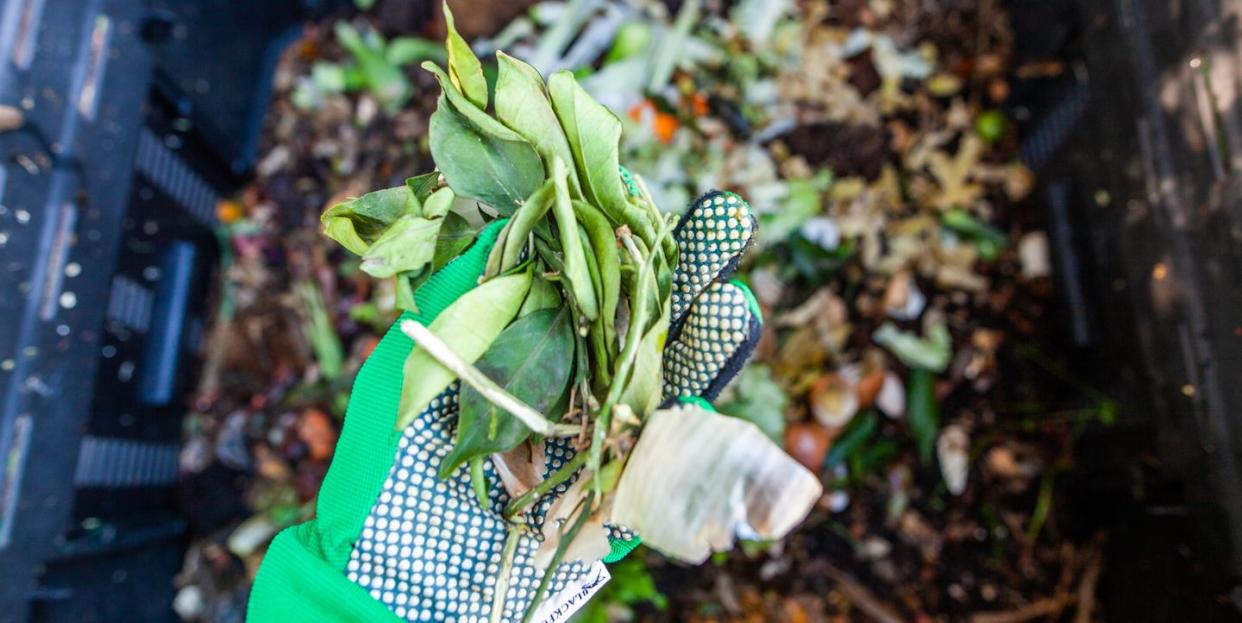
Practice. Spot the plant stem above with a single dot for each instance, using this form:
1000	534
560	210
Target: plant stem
494	259
627	239
567	538
471	375
506	567
598	435
561	475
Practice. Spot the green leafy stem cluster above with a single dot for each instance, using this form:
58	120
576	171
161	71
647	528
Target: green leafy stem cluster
563	335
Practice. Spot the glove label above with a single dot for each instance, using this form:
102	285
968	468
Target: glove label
574	596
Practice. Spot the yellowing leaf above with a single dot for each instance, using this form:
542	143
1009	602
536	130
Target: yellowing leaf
408	245
464	67
574	256
358	222
644	388
696	478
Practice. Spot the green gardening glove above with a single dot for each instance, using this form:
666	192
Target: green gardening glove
392	540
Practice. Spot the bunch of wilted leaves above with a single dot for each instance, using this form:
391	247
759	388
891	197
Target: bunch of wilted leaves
564	334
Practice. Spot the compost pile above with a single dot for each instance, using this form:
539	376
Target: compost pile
902	280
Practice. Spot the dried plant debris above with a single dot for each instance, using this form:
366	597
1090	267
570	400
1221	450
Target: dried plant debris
903	282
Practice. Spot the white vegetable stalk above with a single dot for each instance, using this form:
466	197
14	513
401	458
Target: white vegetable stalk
471	375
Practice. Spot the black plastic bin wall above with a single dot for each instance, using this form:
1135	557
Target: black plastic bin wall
137	116
1138	148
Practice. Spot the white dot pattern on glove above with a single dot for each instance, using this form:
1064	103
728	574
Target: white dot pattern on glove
717	325
428	551
718	228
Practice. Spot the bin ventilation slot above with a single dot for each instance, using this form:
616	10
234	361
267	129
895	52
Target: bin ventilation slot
104	462
88	96
66	218
11	476
157	380
1051	133
130	304
175	179
27	32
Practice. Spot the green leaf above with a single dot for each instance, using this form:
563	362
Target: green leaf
523	106
406	50
633	38
930	353
329	77
575	269
478	480
423	185
924	413
479	157
671	48
531	359
407	246
438	204
543	295
856	434
524	220
385	80
359	222
756	398
805	200
604	245
644	390
321	331
464	67
594	134
479	118
987	238
468	326
455	235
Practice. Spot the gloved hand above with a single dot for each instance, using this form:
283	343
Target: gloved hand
391	538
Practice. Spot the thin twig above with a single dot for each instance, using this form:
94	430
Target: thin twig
561	475
1049	606
506	567
860	596
1090	579
471	375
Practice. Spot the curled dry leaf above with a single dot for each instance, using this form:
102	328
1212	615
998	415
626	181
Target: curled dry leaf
826	313
591	542
902	298
1016	464
687	504
520	469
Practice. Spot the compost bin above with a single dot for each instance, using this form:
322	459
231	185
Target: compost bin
134	127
